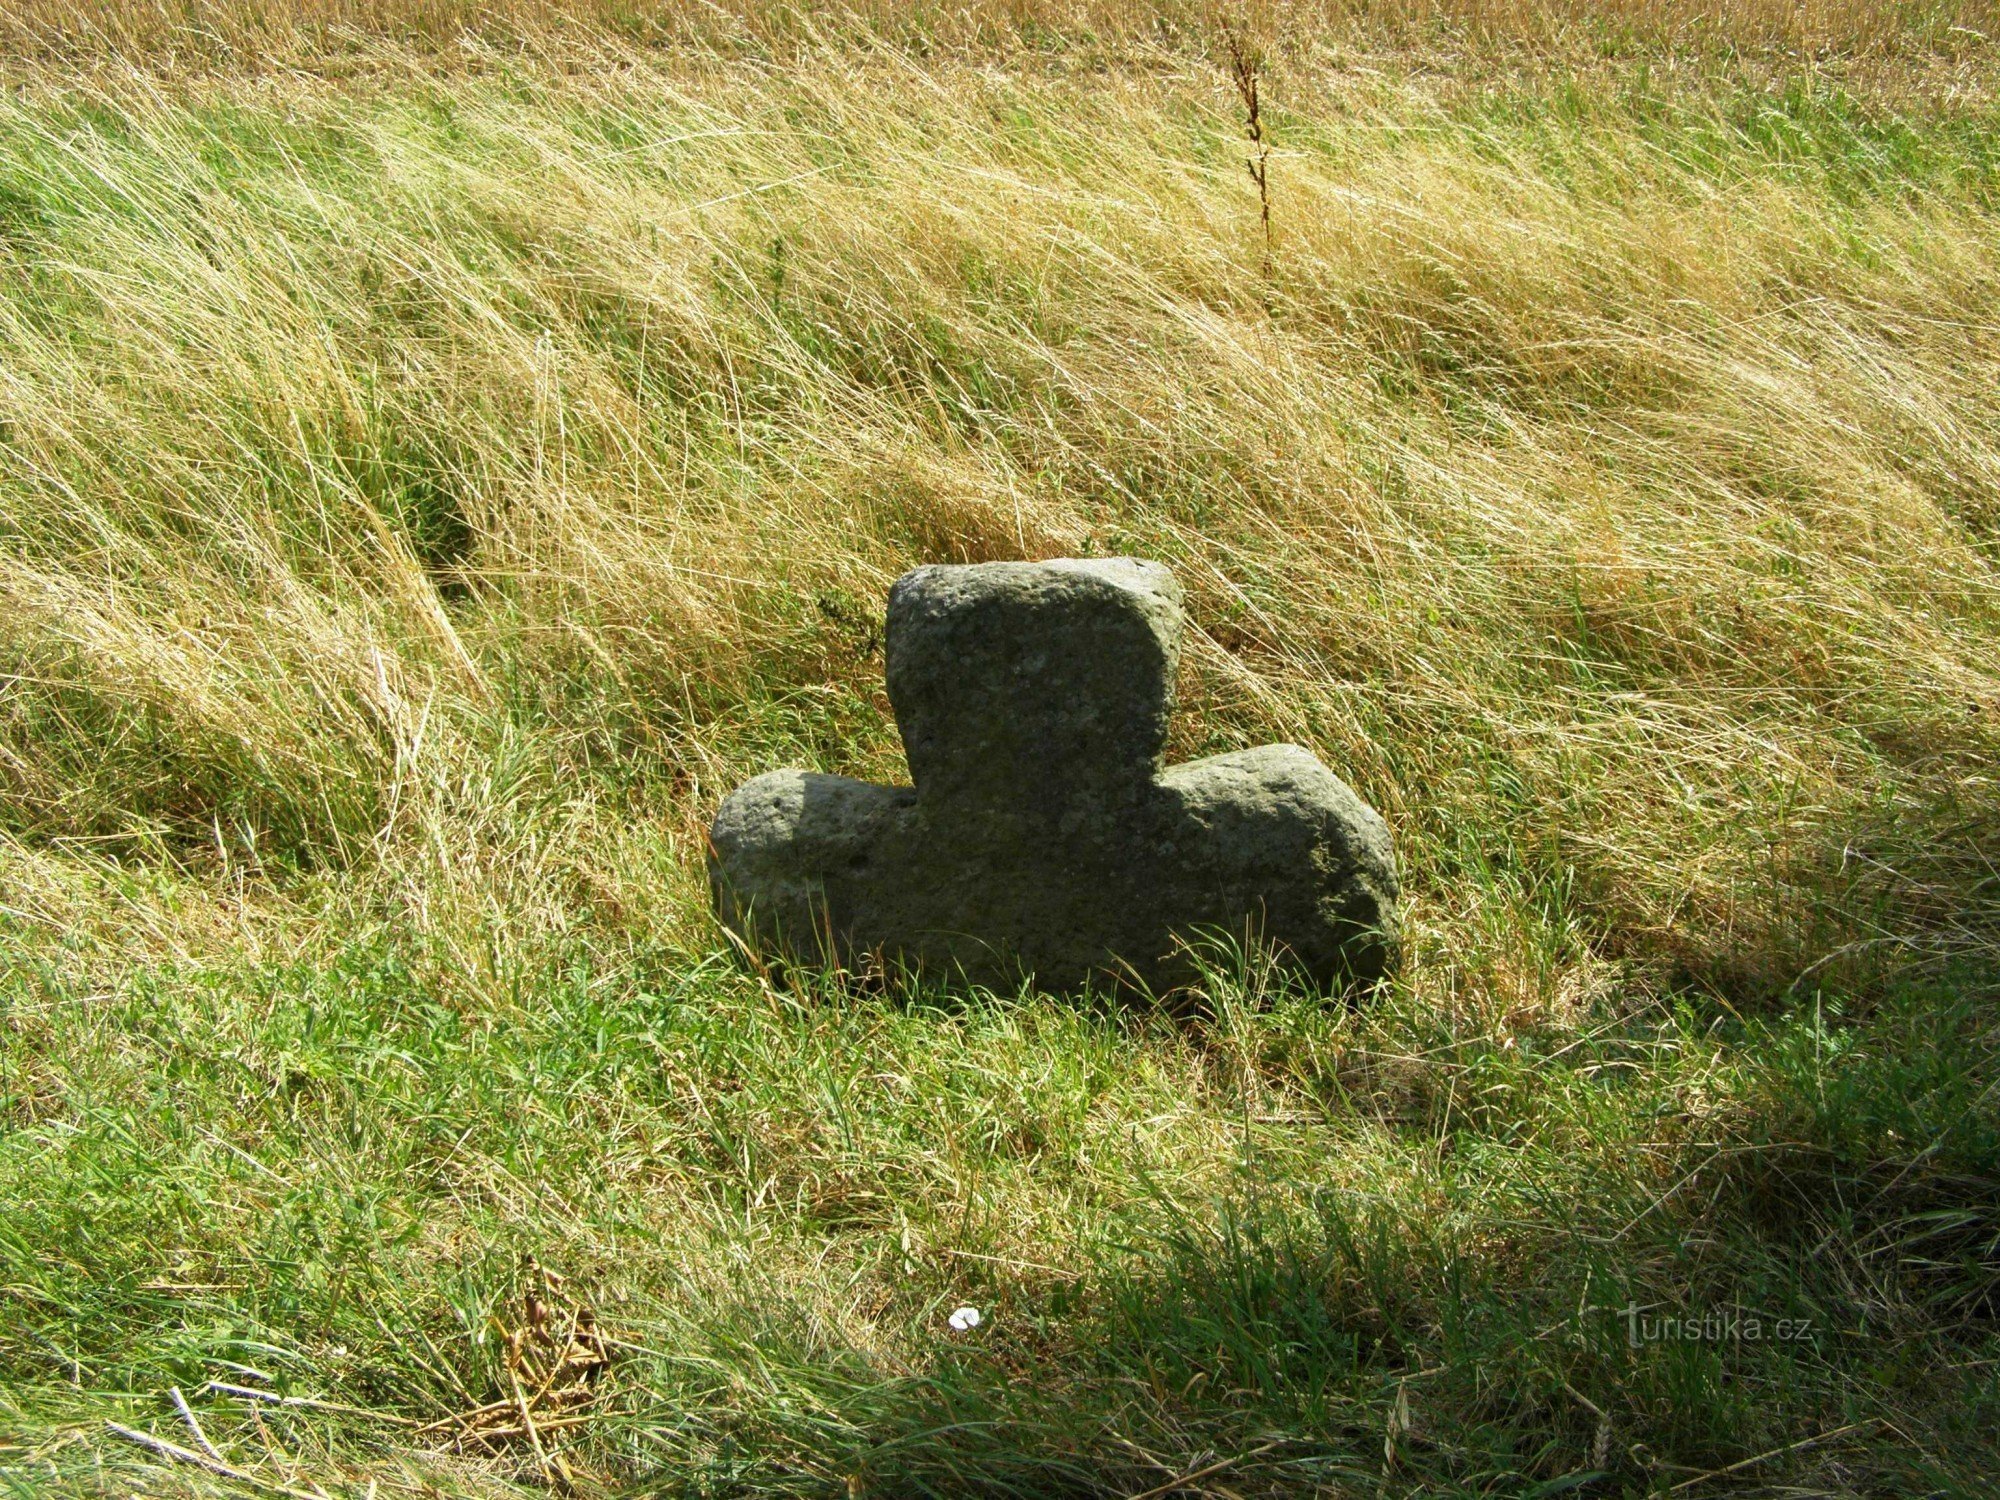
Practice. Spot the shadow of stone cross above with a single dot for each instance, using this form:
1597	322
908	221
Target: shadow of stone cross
1045	837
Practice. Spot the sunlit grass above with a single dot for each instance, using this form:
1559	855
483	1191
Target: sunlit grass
424	492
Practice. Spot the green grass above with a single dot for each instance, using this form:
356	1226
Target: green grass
425	491
1275	1224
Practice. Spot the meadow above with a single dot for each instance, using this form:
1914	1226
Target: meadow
444	449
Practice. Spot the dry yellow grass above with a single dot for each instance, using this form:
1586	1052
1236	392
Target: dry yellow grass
1637	496
1462	34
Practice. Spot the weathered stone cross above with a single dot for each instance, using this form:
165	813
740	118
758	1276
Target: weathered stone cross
1043	836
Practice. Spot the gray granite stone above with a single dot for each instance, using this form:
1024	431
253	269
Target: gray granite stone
1044	837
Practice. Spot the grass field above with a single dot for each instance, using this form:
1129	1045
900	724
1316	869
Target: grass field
437	465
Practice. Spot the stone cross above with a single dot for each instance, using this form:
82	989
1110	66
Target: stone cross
1044	837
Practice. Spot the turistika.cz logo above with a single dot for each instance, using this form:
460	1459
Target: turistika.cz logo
1717	1325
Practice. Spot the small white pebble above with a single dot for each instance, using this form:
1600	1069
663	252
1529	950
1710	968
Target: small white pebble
964	1318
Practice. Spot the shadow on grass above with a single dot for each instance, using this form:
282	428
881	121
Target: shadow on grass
1249	1354
1807	1295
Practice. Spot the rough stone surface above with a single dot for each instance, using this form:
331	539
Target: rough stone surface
1044	837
